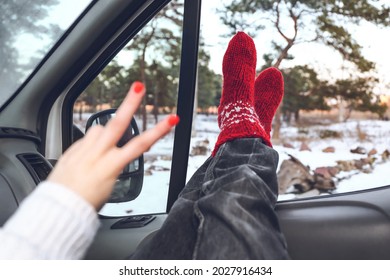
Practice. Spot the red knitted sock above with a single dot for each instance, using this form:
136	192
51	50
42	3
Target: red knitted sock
236	114
269	89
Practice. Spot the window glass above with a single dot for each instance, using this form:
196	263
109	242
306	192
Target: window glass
332	131
152	56
28	30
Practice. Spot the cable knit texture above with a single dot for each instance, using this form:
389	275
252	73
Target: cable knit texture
52	223
236	114
269	88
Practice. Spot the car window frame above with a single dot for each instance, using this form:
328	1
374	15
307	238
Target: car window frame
186	89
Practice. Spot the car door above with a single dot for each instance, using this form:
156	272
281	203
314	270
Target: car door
331	225
345	226
124	226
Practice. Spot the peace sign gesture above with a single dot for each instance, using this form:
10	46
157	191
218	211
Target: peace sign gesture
92	164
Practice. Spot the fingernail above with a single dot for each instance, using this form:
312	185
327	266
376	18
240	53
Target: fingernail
173	120
138	87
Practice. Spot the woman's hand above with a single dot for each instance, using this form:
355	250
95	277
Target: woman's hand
91	165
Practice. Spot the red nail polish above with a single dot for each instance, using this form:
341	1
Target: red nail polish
173	120
138	87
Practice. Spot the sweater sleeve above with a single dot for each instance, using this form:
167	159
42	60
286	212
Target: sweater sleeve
52	223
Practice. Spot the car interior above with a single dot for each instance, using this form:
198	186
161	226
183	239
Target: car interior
36	127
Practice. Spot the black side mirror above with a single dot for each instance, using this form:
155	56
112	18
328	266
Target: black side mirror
129	183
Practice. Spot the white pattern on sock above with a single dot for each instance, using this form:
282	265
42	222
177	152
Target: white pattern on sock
236	112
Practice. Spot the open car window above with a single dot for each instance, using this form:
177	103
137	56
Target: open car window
152	56
333	126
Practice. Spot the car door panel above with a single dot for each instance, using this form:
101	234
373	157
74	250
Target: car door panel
117	244
347	226
16	181
7	200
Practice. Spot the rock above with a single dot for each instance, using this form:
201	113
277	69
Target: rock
166	157
371	160
327	171
199	151
150	158
346	165
360	163
333	170
385	155
359	150
324	171
305	147
288	145
323	178
329	150
201	148
293	173
322	183
153	167
327	133
366	162
372	152
367	170
161	168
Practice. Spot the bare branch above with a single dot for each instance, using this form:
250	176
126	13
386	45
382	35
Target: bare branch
303	12
277	23
295	20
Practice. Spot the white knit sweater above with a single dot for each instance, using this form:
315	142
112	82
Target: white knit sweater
52	223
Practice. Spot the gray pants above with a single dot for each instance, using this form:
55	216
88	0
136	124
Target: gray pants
226	210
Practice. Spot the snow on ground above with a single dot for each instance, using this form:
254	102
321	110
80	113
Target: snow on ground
368	134
153	198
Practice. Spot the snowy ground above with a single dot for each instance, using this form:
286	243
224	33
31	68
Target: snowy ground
369	134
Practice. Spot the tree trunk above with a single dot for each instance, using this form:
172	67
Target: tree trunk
81	111
278	115
142	69
290	42
195	111
296	116
94	105
155	107
101	94
341	109
283	54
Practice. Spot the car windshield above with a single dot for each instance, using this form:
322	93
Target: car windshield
28	30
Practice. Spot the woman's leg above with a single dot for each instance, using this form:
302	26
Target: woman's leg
227	209
236	214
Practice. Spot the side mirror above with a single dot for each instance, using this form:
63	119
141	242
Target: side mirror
129	183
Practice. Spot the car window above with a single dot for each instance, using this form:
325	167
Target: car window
332	130
152	56
28	30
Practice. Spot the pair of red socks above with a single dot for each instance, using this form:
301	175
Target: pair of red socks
248	104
